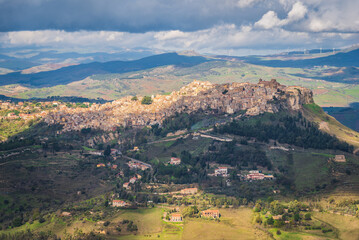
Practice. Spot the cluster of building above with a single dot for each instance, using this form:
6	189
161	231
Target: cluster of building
26	110
127	185
220	98
110	165
177	217
138	165
35	110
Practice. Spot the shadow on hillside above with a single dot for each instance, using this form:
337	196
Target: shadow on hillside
348	116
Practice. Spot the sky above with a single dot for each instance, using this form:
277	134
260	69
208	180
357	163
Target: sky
234	27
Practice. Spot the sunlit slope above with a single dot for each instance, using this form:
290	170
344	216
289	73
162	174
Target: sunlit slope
330	125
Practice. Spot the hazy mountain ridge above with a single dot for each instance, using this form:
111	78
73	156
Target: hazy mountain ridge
339	59
75	73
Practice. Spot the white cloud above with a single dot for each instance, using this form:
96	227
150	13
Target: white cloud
219	39
245	3
269	20
298	12
167	35
334	16
317	25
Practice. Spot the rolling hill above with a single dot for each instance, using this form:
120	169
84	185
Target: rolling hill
75	73
340	59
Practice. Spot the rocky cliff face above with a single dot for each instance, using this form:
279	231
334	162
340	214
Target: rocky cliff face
266	96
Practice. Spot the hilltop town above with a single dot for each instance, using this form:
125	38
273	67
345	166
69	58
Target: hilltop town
219	155
266	96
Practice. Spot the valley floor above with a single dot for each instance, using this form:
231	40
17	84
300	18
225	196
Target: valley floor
233	224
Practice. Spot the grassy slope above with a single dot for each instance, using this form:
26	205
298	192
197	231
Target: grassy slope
195	147
348	226
235	224
329	124
310	170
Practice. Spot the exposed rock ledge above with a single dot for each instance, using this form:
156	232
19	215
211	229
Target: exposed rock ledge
266	96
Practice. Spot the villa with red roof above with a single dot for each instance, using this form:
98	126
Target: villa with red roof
210	213
175	161
118	203
176	217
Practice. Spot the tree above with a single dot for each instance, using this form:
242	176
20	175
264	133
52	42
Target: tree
134	98
107	151
270	221
258	219
190	211
146	100
307	216
17	222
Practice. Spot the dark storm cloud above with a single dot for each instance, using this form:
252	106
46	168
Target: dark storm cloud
210	26
128	15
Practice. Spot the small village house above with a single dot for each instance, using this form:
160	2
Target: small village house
95	153
66	214
126	185
256	175
221	171
175	161
339	158
188	191
101	165
133	180
118	203
137	165
277	217
210	213
176	217
135	149
115	152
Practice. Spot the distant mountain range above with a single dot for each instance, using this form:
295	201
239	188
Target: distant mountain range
20	59
75	73
340	59
96	63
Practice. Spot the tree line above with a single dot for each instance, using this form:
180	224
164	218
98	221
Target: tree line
295	130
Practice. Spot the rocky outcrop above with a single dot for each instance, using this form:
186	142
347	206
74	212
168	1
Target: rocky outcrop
266	96
297	96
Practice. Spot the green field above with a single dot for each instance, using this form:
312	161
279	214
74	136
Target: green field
234	224
162	151
348	226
